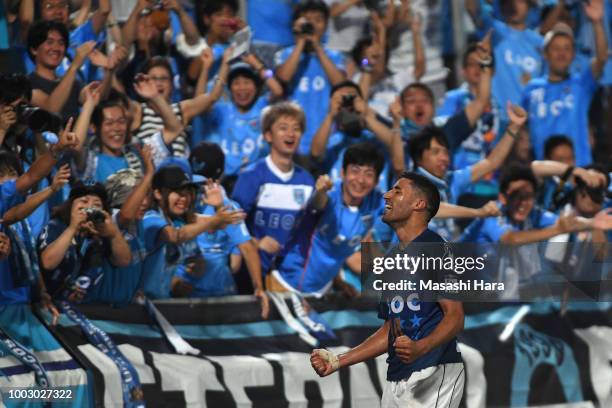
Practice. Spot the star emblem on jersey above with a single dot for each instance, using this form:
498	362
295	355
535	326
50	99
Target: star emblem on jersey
416	321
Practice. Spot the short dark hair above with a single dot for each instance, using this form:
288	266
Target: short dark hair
555	141
514	173
209	7
346	84
156	61
9	162
364	154
417	85
428	189
422	141
472	48
13	87
39	32
310	5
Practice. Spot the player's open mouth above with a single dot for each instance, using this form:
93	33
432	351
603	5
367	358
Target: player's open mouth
388	207
289	143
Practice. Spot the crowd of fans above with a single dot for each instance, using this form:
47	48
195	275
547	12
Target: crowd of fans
145	157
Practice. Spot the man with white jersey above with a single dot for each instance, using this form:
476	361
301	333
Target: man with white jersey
274	191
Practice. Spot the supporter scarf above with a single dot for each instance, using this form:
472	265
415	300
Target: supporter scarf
130	383
84	276
11	346
440	184
23	259
409	128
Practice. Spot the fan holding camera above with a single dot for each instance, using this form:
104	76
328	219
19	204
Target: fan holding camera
79	243
309	69
348	121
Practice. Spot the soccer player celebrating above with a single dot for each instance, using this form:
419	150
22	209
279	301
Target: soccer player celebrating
425	368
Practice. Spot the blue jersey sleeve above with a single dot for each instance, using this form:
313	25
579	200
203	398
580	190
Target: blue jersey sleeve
544	219
461	179
153	223
588	82
338	59
50	233
494	228
281	56
9	197
83	33
456	129
245	191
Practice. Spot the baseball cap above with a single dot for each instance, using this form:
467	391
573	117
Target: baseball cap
172	178
120	185
559	28
207	159
243	69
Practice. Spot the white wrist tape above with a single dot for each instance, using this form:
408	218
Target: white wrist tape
330	358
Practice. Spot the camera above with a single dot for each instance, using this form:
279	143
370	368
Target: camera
348	101
307	28
37	119
95	215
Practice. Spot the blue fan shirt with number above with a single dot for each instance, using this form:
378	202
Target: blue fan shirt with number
273	201
335	234
561	108
310	88
418	319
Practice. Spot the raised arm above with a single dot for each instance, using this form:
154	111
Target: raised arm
192	35
448	210
98	19
207	59
419	48
55	101
518	117
320	198
131	206
26	17
275	88
43	165
320	139
23	210
474	109
222	217
203	102
128	32
287	69
146	89
334	74
594	9
340	7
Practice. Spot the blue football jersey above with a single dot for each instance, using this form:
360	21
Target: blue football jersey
336	234
561	108
417	319
273	201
